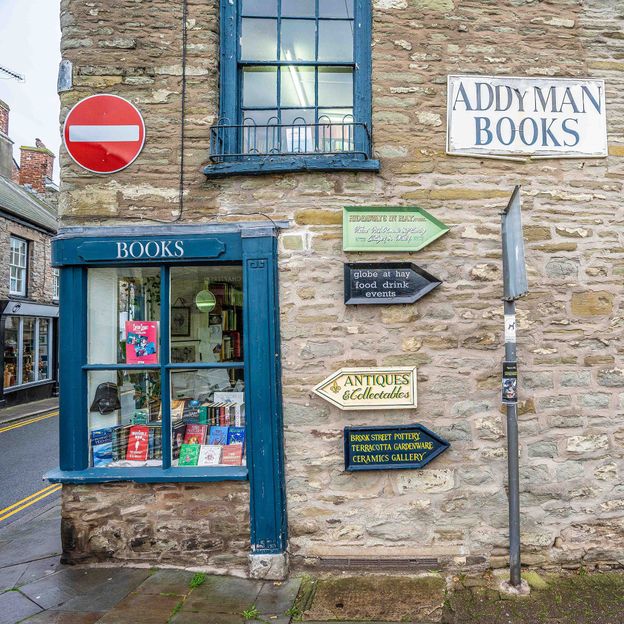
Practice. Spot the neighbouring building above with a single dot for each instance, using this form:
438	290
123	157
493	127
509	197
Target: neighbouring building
29	285
202	286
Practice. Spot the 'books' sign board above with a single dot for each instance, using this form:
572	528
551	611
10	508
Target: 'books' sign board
526	117
370	388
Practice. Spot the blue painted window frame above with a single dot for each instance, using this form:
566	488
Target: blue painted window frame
230	98
256	249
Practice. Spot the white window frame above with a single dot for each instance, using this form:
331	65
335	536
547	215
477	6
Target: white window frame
56	284
18	266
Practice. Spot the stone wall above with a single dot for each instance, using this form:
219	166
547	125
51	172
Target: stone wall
570	334
203	525
40	284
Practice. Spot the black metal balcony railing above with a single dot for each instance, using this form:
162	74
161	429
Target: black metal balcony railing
230	142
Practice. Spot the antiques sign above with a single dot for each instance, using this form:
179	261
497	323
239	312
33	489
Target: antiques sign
526	117
370	388
391	448
396	282
399	228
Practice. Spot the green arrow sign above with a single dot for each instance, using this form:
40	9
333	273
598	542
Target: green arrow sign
393	228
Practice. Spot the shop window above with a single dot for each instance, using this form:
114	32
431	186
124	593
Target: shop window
295	87
18	266
194	389
27	350
56	286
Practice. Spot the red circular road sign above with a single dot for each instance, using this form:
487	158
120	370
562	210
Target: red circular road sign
104	133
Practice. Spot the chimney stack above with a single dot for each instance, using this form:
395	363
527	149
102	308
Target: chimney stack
6	145
36	165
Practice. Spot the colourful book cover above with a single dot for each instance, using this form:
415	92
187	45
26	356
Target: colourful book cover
195	434
189	455
138	443
177	409
102	447
218	435
209	455
236	435
232	455
142	342
177	438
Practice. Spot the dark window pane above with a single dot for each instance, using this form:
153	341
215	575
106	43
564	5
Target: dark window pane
335	86
297	86
298	8
266	8
260	134
259	40
336	8
335	41
298	40
260	86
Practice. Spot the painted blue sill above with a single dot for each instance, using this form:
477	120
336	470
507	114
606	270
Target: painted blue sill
290	164
149	475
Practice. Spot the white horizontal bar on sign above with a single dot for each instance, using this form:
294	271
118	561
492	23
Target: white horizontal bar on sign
103	134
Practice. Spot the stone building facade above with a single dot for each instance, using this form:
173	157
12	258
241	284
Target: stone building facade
27	215
570	325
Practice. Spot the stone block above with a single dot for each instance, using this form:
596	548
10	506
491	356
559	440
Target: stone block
592	303
596	443
575	379
428	481
611	378
268	567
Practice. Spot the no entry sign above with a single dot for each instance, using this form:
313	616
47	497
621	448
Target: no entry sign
104	133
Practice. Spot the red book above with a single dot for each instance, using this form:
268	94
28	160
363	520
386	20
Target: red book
232	454
138	443
142	342
195	434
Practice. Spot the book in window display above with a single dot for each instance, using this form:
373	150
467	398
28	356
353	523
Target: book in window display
138	443
195	434
142	342
189	455
102	447
232	455
209	455
219	435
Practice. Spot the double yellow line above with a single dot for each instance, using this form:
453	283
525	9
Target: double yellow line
28	421
7	512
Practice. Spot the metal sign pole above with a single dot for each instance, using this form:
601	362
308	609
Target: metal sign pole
514	286
512	460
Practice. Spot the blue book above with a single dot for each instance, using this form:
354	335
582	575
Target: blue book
102	446
219	435
236	435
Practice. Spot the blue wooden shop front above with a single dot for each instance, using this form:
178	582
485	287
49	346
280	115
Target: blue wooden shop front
251	246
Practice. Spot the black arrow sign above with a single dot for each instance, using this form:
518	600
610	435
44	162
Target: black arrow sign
386	283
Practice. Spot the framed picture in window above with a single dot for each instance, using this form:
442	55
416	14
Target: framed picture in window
180	321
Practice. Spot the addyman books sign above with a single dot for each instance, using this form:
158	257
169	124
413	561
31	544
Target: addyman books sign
526	117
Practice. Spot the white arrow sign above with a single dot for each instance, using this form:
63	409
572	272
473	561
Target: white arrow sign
370	388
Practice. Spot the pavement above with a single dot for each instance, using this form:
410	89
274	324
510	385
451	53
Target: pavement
27	410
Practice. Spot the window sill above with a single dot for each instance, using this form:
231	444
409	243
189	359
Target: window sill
30	384
281	164
149	475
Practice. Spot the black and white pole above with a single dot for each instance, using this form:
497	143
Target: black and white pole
514	286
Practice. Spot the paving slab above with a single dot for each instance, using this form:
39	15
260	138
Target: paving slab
38	569
143	608
100	589
220	594
210	618
10	575
15	607
275	598
168	582
62	617
36	540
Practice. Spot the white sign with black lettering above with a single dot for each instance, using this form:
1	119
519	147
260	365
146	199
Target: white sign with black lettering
508	117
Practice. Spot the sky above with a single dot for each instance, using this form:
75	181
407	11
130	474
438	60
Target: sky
30	36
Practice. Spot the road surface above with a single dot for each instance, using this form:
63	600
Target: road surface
28	449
